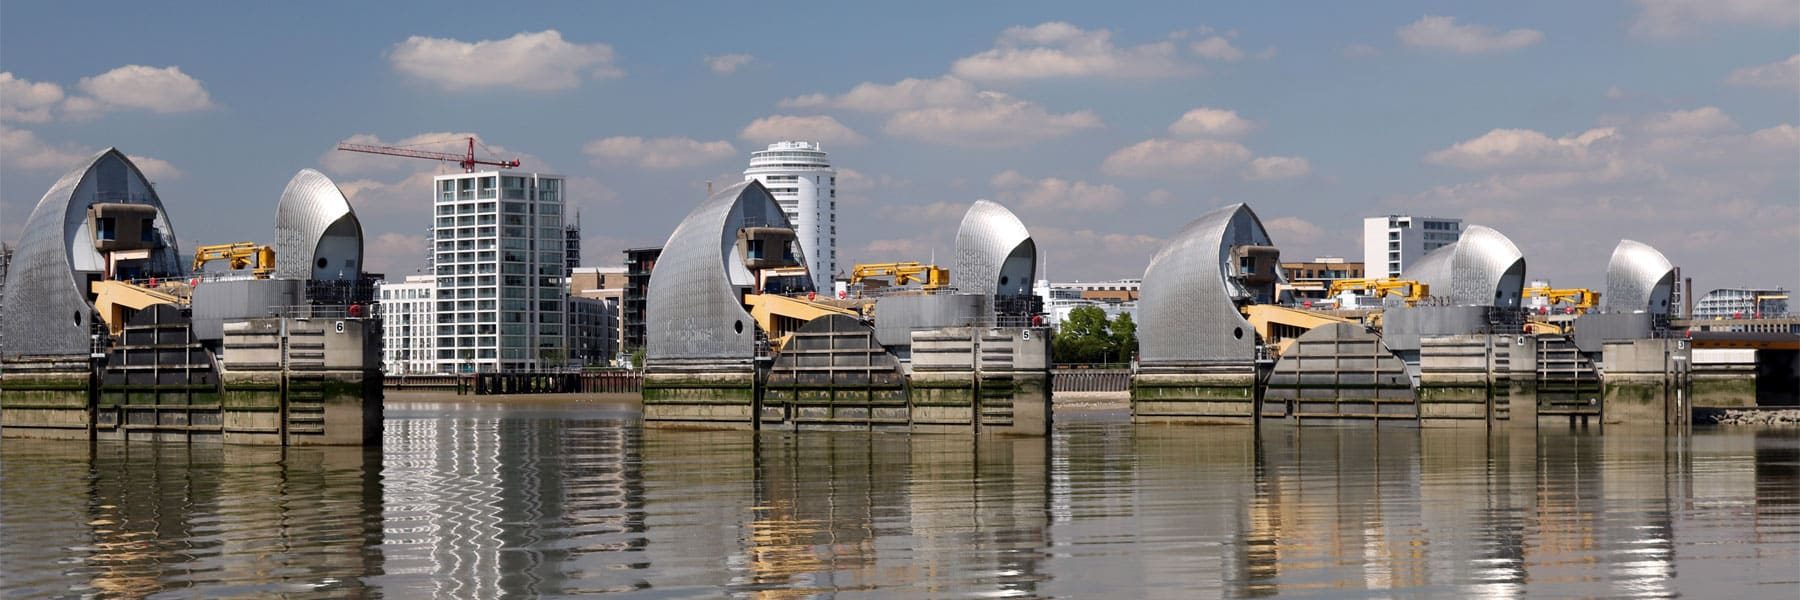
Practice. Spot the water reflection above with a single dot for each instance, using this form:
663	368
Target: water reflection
487	500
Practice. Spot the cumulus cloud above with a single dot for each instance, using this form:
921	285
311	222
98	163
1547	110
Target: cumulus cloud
1161	157
818	128
1784	75
537	62
1706	119
1275	168
26	101
22	149
1291	230
905	94
1062	50
995	120
1443	33
1515	148
1674	18
164	90
1216	48
1705	196
1055	195
657	153
1211	122
726	64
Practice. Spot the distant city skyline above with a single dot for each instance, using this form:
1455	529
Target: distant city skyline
1565	126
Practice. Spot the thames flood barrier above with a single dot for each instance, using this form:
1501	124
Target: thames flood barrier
1452	344
109	336
739	340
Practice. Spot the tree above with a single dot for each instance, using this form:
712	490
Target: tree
1124	337
1083	337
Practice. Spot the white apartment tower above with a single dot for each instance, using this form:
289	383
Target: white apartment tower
1394	241
498	262
800	177
408	325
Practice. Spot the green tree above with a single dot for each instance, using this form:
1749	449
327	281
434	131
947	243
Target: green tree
1124	337
1083	337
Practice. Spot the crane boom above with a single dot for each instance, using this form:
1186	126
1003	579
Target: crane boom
467	160
1409	290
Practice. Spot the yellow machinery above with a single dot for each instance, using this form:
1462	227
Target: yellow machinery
780	315
1279	326
1408	290
1581	299
929	277
240	255
118	300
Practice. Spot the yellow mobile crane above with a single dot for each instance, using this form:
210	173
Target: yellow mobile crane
240	254
1580	299
929	277
1408	290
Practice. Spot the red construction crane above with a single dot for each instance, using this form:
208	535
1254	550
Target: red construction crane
467	159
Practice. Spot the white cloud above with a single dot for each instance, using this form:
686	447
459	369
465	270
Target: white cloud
1442	33
1783	75
995	120
538	62
657	153
164	90
1216	48
1673	18
1702	195
1273	168
1055	195
1355	51
818	128
1176	158
1061	50
726	64
1706	119
1211	122
22	149
396	254
1515	148
886	98
26	101
1292	230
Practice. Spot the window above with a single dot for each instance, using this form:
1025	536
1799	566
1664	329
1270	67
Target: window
1247	265
105	229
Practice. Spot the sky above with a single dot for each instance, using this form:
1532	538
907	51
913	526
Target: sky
1565	125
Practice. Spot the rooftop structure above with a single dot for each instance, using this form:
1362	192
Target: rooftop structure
317	235
46	303
995	255
1482	268
1188	310
800	178
1638	279
1391	243
693	307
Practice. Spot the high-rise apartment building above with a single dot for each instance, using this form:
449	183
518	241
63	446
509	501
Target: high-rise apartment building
499	266
800	177
1393	241
408	325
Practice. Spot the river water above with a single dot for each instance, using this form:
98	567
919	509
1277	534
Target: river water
483	500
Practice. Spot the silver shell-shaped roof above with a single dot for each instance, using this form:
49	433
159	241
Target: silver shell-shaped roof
1187	306
994	252
1638	279
46	308
1483	268
317	234
692	307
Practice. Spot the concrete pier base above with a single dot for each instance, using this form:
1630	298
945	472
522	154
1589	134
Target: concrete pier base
1222	394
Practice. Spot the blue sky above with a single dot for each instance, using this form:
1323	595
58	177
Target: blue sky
1564	125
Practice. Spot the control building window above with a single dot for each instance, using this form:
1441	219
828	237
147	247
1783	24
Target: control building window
104	229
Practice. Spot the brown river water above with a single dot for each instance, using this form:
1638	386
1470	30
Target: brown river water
532	498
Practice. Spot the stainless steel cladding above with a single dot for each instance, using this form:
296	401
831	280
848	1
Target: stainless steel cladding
46	305
995	255
1188	302
1638	279
692	307
1483	268
317	235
